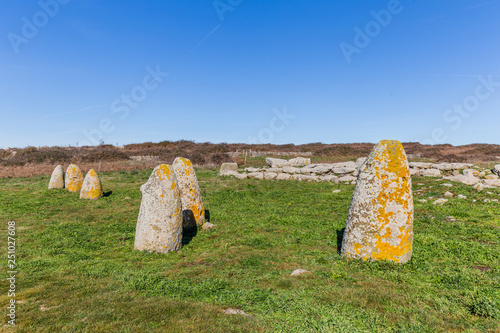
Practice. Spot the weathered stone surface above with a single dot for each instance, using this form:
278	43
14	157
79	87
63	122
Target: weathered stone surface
322	169
448	194
228	167
270	175
467	178
492	182
275	170
426	172
360	161
298	272
348	164
91	188
192	204
496	170
159	225
74	178
291	170
461	196
328	178
343	170
283	176
451	166
240	175
299	161
251	169
420	165
347	179
380	221
255	175
491	177
478	187
440	201
57	178
276	162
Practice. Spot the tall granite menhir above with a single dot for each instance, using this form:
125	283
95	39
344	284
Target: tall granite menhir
192	204
159	225
380	221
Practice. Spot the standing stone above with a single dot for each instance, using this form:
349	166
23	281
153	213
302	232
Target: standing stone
91	188
57	178
380	221
159	225
192	205
74	178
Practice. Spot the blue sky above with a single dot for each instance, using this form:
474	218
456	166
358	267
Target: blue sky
80	72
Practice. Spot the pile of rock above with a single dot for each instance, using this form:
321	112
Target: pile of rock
301	169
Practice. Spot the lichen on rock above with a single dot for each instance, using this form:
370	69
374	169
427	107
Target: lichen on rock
57	178
380	221
92	187
192	204
74	178
159	225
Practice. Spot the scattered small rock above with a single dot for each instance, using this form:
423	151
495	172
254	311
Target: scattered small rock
422	200
486	200
448	194
236	311
478	187
208	226
128	198
461	196
298	272
336	191
450	219
447	184
440	201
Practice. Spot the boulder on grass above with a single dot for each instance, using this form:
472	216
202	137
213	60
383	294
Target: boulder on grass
91	188
380	221
74	178
57	178
159	225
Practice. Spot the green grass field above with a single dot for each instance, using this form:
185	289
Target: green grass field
78	270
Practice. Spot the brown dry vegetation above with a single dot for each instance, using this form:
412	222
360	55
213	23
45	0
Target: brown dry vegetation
30	161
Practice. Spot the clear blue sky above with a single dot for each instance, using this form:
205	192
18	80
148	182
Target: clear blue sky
334	71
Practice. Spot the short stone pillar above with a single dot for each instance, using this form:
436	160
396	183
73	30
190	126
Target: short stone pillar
57	178
192	205
74	178
159	225
380	221
92	187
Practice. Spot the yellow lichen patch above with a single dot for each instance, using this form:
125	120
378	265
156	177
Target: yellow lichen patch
74	178
91	188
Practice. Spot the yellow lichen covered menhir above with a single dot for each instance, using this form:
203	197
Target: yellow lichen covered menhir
74	178
380	221
192	204
57	178
91	188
